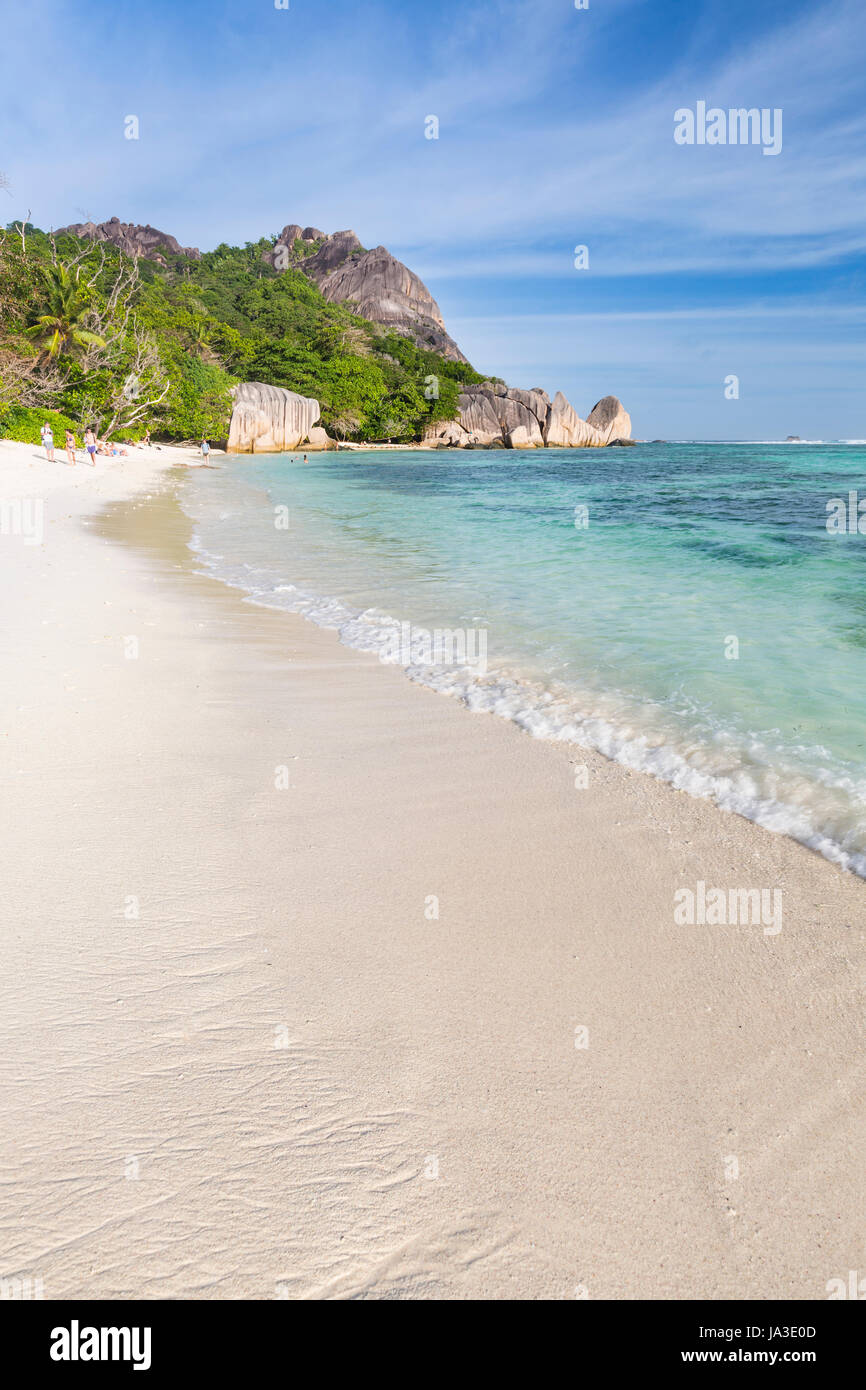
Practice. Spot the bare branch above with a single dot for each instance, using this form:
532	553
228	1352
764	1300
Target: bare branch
144	387
24	382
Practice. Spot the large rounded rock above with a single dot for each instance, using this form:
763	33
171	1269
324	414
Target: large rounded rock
320	439
386	291
493	411
269	419
610	419
381	288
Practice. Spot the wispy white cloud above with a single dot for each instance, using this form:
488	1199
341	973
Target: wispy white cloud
611	259
329	124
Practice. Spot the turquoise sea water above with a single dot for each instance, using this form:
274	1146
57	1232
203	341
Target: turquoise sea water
614	634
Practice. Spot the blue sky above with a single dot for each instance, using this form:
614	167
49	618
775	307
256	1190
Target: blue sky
555	130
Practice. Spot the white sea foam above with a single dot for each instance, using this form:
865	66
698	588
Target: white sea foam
564	716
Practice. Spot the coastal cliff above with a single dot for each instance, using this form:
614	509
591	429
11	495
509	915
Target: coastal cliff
381	288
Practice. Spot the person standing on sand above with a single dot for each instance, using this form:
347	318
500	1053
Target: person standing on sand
48	442
90	445
146	440
205	448
70	447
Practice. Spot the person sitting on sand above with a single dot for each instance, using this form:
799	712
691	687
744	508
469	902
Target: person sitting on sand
90	445
70	447
48	442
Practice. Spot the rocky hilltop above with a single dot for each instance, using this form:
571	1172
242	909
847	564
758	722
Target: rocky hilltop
493	415
382	288
132	239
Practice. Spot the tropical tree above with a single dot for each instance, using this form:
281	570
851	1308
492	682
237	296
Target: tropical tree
60	331
198	337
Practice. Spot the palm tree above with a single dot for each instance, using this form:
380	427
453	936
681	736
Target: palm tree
199	340
59	329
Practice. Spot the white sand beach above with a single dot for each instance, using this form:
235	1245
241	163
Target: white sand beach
242	1055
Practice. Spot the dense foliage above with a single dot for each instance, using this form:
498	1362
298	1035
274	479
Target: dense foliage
88	336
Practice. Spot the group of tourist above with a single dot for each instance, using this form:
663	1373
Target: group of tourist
92	446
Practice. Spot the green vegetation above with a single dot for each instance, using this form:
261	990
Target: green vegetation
59	329
306	248
24	423
88	336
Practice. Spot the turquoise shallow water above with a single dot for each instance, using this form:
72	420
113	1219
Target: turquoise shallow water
607	585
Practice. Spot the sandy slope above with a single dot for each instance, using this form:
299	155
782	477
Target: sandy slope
282	1078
